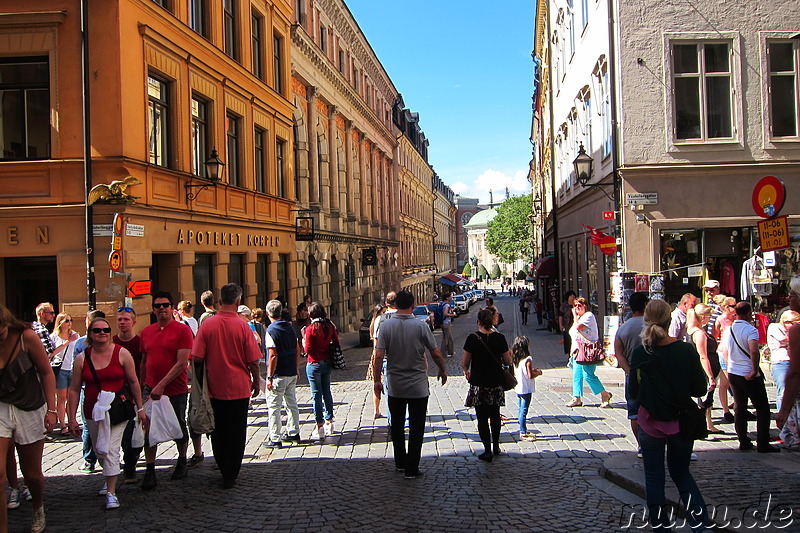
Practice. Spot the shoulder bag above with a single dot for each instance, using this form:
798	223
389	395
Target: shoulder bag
336	355
201	414
691	418
509	380
122	408
589	353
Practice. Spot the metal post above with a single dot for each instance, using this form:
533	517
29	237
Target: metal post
87	157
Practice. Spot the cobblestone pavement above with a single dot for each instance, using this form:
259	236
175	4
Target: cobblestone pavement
349	483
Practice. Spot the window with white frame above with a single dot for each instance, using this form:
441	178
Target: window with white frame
158	117
784	86
701	82
604	107
200	135
585	119
584	13
571	24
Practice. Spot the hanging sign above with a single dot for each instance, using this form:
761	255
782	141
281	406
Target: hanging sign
774	233
768	197
304	229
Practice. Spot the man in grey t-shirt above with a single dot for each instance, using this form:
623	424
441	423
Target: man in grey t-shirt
403	340
627	338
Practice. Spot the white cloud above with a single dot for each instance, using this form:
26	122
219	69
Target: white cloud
496	181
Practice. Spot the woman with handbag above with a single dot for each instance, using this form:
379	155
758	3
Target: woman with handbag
317	340
63	338
665	376
485	362
104	367
586	354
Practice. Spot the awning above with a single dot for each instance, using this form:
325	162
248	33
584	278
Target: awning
545	267
446	281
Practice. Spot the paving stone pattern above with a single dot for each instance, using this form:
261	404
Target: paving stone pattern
349	482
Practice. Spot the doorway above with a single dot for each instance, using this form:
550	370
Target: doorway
29	282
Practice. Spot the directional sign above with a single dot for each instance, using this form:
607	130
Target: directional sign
138	288
641	198
115	260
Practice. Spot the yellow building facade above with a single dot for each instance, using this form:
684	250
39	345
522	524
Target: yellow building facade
169	82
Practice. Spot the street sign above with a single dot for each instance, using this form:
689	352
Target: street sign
774	233
119	223
138	288
608	244
116	242
115	260
609	215
769	194
134	230
641	198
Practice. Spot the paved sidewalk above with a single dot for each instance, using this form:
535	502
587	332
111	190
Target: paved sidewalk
349	483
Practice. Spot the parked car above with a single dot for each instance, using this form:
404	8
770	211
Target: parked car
461	303
489	292
471	296
421	312
480	294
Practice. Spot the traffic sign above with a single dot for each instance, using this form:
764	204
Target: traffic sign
774	233
119	222
609	215
116	242
138	288
769	194
608	244
115	260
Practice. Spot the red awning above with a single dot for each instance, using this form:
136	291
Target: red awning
453	278
545	267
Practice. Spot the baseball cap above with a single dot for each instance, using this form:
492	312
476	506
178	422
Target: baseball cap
710	284
243	310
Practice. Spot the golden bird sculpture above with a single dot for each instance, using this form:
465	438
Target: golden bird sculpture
114	192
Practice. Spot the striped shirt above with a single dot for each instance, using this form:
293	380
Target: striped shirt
44	336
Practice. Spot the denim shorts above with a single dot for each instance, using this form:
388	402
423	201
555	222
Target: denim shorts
63	379
632	404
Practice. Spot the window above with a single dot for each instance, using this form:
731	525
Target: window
262	280
283	278
323	39
197	16
236	271
232	134
257	23
784	57
229	21
571	12
341	61
158	120
279	166
584	13
203	273
702	91
261	167
24	108
163	3
200	149
277	62
355	79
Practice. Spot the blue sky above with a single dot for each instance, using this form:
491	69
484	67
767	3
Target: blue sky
465	67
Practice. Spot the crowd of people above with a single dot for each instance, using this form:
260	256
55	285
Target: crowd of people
675	362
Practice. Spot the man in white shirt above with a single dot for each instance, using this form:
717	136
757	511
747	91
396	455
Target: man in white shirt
677	328
740	343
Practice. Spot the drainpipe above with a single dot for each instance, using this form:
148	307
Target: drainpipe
612	77
556	255
87	157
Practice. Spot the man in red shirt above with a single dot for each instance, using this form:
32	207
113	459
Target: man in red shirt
165	355
126	319
226	345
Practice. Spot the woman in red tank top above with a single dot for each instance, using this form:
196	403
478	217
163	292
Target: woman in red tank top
114	367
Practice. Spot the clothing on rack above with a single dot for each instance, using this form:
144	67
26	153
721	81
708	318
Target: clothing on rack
756	278
727	277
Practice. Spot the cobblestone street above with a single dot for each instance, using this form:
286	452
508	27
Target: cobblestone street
349	483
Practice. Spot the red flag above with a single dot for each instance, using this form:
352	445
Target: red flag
596	234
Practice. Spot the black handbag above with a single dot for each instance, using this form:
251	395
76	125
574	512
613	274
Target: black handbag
122	408
337	357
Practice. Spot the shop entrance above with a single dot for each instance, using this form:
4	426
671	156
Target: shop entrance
30	281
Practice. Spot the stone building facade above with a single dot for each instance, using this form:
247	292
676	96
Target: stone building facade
444	241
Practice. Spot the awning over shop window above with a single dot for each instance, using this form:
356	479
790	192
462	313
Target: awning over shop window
446	281
545	267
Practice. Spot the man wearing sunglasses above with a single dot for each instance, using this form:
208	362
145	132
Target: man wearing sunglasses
165	355
126	320
45	314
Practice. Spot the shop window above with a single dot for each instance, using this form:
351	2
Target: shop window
581	260
200	149
203	274
24	108
262	280
231	47
236	271
784	57
158	115
283	278
680	249
232	132
197	16
701	81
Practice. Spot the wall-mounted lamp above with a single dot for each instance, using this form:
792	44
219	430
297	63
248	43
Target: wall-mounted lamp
537	205
213	170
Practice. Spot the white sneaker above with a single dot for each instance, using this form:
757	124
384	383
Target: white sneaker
39	522
318	435
328	428
693	457
12	500
103	491
24	493
111	501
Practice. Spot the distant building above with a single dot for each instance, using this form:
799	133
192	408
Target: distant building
476	229
465	209
444	222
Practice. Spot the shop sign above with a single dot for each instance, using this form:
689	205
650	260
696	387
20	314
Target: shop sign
641	198
134	230
774	233
304	229
226	238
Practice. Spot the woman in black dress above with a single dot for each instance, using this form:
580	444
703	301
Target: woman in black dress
485	353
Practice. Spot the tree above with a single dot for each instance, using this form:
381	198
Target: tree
509	233
482	272
467	272
496	271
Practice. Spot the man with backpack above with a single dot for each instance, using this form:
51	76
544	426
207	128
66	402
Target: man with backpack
447	314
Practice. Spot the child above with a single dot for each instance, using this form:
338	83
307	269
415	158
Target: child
525	374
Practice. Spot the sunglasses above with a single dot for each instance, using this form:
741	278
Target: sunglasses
67	320
101	330
125	310
162	305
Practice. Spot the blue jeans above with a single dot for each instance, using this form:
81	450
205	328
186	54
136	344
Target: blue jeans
88	451
522	413
678	452
779	371
319	379
585	372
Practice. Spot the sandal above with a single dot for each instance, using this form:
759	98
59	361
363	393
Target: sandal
576	402
607	401
528	437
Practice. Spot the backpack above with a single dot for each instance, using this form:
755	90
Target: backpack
438	314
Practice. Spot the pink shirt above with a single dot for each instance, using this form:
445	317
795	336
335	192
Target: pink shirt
659	429
161	346
228	347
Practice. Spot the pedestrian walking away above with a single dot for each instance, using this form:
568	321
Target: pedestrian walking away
403	341
283	358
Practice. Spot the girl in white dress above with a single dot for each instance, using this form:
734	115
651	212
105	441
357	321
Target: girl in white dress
525	373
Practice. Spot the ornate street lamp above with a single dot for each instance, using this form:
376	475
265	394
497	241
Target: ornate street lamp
213	170
583	165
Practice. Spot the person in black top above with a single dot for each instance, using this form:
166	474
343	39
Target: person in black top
485	353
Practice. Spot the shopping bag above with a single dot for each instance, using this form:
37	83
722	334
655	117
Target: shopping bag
164	424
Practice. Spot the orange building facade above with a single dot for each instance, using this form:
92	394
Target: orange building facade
169	81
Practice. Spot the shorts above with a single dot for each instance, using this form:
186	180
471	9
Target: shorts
722	364
63	379
25	427
178	403
632	403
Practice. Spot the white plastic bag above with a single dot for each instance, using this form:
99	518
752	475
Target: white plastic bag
164	424
137	439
